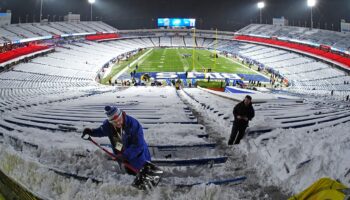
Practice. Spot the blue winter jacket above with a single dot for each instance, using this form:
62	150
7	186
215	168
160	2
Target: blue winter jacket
135	149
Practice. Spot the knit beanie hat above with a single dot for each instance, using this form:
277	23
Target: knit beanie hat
111	111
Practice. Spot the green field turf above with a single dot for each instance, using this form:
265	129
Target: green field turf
171	60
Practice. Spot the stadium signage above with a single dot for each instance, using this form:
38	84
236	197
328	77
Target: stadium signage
31	39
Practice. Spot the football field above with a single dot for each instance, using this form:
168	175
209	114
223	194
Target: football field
182	60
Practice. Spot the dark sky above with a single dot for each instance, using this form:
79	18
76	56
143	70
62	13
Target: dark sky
222	14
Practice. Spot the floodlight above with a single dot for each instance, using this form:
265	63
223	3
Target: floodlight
41	11
311	3
91	2
261	5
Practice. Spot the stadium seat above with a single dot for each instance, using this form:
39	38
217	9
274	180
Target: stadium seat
300	47
9	55
102	36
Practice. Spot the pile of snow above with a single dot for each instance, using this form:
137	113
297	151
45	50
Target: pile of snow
289	158
294	159
31	155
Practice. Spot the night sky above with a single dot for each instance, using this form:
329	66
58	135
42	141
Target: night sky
222	14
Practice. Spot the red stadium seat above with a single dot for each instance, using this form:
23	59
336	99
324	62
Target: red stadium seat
102	36
9	55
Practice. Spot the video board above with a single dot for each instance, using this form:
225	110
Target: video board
176	22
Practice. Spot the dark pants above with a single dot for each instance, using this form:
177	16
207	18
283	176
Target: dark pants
237	133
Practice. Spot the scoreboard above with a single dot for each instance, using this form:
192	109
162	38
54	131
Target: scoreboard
176	22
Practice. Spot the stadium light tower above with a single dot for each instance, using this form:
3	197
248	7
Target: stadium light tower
91	2
41	10
261	5
311	4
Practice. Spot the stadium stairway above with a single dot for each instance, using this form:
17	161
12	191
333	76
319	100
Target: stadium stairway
168	129
274	114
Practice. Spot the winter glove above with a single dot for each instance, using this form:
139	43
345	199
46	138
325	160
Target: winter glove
86	132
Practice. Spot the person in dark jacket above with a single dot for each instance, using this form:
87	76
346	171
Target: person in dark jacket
243	112
126	136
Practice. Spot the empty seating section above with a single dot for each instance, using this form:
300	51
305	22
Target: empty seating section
147	42
125	45
67	73
31	78
200	42
271	54
190	42
178	41
297	61
35	30
218	45
231	47
16	32
63	29
131	44
15	28
259	51
9	55
208	43
305	75
53	70
331	38
103	26
317	74
274	61
342	44
300	47
155	41
25	89
50	29
302	68
8	36
81	61
89	27
64	64
165	42
75	29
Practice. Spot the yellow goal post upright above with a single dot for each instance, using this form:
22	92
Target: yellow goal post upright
194	48
216	47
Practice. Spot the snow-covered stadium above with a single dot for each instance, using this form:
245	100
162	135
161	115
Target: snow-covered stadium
50	88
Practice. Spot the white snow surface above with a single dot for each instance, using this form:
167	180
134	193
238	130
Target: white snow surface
276	156
29	154
289	158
